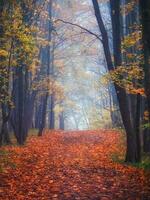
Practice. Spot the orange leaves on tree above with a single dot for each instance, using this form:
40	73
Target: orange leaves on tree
146	115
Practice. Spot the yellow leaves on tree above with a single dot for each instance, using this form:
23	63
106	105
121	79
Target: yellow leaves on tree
128	78
146	115
51	86
131	39
3	53
128	7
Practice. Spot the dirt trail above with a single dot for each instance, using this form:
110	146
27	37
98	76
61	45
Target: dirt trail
71	166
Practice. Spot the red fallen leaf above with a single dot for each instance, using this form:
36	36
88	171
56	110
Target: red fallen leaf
51	181
43	170
105	198
55	195
1	190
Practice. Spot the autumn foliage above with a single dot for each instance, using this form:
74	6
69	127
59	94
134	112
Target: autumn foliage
71	165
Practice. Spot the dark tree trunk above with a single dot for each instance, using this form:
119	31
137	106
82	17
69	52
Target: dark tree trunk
145	20
38	114
43	117
17	117
133	134
52	114
45	101
146	141
52	96
137	127
103	31
4	88
50	73
131	153
23	98
61	121
4	134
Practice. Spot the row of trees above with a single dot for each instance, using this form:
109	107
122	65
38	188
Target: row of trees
35	74
32	70
128	69
17	52
26	67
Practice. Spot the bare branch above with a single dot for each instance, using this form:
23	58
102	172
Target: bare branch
79	26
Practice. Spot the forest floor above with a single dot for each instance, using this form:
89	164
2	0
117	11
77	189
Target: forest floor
71	166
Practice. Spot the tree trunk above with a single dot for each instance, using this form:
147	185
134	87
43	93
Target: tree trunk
131	153
61	121
45	102
137	127
52	114
43	117
145	20
4	134
17	117
4	89
133	133
146	141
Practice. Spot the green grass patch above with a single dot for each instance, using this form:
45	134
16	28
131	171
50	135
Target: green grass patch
3	152
117	158
144	164
33	132
5	160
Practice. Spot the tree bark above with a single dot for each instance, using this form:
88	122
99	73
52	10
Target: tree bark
4	134
131	152
61	121
145	21
45	102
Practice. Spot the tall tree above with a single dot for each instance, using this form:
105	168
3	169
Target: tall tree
145	21
131	152
48	73
6	50
23	96
134	111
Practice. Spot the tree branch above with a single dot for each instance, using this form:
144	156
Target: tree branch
79	26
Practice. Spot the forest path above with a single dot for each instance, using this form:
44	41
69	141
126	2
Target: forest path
70	166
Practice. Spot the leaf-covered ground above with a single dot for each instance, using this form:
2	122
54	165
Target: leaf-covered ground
69	166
